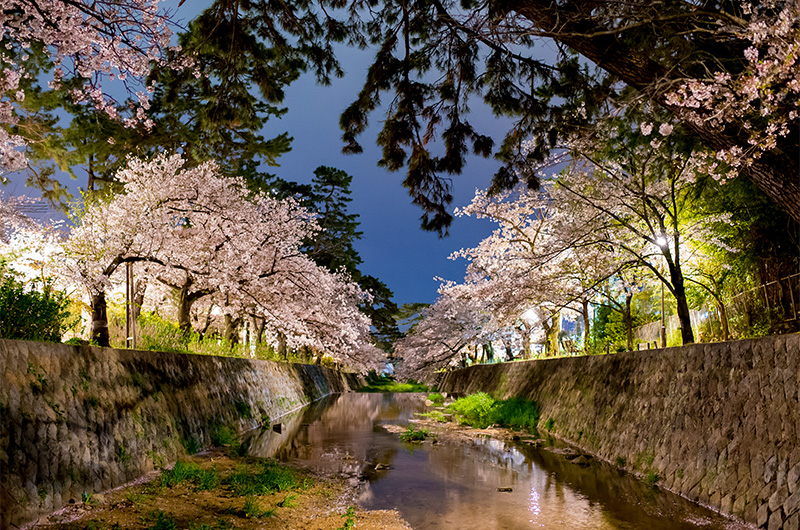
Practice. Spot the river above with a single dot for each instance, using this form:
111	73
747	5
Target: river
463	483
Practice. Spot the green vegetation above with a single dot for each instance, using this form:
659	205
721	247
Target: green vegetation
434	415
414	435
268	477
481	410
183	471
252	508
29	314
159	520
650	478
549	424
388	384
350	519
436	398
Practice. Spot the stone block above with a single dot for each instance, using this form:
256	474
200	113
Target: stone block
777	499
762	515
775	521
792	523
792	503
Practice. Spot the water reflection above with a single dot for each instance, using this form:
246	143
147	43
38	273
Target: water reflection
454	484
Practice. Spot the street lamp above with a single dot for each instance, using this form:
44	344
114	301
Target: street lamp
662	244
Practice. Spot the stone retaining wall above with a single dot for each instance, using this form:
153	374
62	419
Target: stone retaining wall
718	423
77	419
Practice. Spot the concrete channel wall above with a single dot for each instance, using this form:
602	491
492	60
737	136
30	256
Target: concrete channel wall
718	423
77	419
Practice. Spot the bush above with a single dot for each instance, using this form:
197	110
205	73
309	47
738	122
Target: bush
32	315
480	410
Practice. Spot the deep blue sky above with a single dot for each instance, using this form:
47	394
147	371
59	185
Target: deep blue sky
393	246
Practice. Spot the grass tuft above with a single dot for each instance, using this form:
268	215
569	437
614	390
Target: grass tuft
481	410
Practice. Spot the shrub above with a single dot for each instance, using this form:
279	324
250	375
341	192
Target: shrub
414	435
436	397
32	315
270	478
480	410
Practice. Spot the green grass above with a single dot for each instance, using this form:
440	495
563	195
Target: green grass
436	398
182	471
268	477
252	508
481	410
414	435
387	384
160	520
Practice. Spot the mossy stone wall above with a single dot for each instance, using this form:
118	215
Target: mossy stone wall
80	419
718	423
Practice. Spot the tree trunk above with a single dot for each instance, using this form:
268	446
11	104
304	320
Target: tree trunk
526	340
628	319
140	287
283	351
231	326
509	350
723	318
679	292
100	320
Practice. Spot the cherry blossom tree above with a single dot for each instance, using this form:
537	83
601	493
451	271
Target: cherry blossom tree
212	234
86	45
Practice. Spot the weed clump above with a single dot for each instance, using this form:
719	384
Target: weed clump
269	477
182	471
481	410
436	398
414	435
388	384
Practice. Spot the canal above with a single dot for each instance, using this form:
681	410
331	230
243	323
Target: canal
460	482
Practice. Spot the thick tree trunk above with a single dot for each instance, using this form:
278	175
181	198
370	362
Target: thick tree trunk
231	327
679	292
100	320
628	317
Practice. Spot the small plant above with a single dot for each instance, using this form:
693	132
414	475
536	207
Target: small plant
243	409
650	478
388	384
123	455
160	520
436	398
350	519
88	498
435	415
223	436
201	479
680	473
40	382
548	425
191	444
136	498
414	435
621	461
288	501
270	477
252	508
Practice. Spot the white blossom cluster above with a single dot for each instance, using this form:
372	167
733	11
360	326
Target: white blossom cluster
88	41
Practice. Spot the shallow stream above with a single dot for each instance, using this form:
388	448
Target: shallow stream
455	483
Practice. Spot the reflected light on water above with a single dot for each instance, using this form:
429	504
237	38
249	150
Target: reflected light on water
533	506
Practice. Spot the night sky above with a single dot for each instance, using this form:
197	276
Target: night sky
393	247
